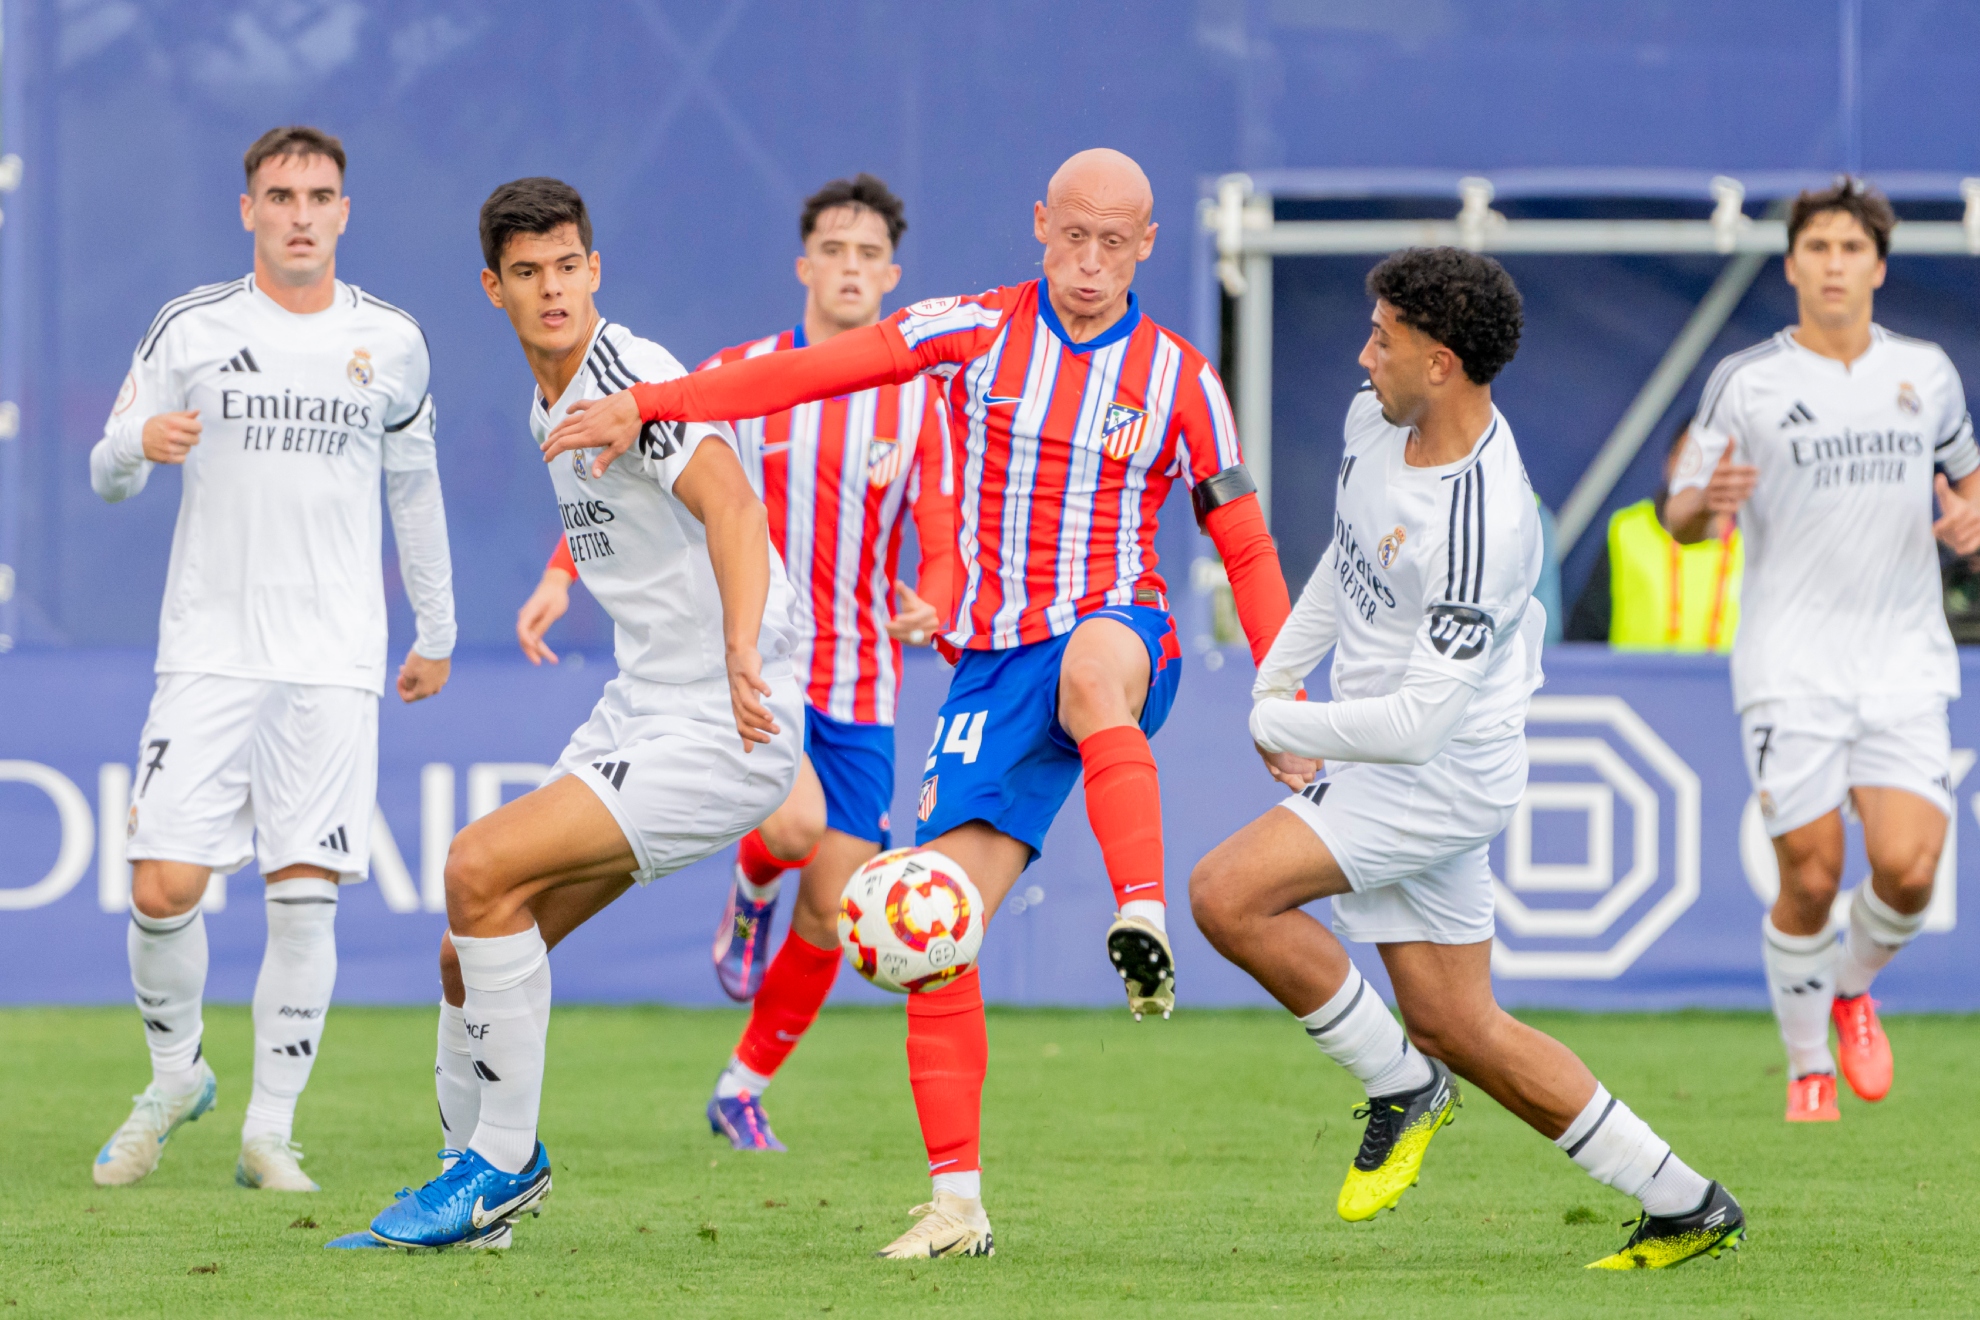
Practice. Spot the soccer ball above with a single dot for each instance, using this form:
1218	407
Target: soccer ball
911	920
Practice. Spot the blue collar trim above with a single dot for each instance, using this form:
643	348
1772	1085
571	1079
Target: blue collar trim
797	337
1119	330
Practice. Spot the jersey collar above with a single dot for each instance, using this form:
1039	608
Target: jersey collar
797	337
1130	321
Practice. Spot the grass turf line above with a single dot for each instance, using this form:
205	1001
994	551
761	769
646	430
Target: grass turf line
1178	1168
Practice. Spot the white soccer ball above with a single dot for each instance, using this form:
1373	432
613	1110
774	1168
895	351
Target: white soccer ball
911	920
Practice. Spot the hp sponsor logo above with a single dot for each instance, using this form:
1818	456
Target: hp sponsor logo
1602	853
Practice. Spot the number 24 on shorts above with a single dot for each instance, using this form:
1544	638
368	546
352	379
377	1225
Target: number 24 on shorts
965	737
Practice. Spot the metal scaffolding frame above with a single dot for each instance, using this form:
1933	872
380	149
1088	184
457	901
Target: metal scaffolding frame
1239	238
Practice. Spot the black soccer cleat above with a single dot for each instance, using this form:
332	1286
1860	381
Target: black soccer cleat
1661	1241
1393	1144
1141	955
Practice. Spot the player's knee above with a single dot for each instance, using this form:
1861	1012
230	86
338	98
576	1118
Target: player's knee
1213	900
158	893
1088	690
472	874
794	831
1909	878
452	988
1810	880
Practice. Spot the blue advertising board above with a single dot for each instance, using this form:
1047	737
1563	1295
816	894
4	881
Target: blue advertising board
1633	876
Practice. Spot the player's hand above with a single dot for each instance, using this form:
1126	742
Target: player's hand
610	424
544	607
1730	485
746	692
1959	521
169	437
916	621
420	678
1295	772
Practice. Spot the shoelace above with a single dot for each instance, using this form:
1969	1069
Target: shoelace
1856	1022
274	1144
1384	1122
133	1134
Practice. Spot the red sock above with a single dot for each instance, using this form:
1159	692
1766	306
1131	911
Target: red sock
948	1052
1124	806
759	865
794	987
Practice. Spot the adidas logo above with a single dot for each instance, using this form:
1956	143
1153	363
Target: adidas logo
299	1050
1797	416
614	772
336	841
484	1072
242	361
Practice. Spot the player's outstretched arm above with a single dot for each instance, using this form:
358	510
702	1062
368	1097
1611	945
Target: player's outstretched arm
1308	634
1407	727
546	605
715	490
1251	561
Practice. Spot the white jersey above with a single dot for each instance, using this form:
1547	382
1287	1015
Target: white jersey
1434	568
275	570
637	548
1842	596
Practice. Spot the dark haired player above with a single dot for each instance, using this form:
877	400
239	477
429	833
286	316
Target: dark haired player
1074	414
836	476
1824	440
1425	598
281	396
690	746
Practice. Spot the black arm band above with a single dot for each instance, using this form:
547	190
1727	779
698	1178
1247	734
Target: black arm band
1233	483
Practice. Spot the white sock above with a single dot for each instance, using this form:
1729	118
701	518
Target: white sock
755	893
455	1083
736	1079
1876	932
1356	1030
969	1185
291	998
168	976
1801	979
1616	1148
1152	910
507	1019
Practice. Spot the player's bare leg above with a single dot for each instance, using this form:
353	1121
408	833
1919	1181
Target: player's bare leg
786	841
793	990
1903	834
1246	897
1103	685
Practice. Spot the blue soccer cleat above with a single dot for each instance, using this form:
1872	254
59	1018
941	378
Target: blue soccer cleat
742	943
741	1119
469	1205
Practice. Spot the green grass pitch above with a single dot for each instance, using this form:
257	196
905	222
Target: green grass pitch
1179	1168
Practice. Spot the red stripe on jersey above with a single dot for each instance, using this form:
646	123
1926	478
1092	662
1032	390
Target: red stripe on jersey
1065	454
835	476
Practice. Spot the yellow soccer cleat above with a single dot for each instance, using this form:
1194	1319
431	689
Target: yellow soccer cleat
1147	966
950	1225
1661	1241
1392	1147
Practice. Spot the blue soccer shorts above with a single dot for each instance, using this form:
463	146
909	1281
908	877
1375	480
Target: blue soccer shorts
855	763
999	754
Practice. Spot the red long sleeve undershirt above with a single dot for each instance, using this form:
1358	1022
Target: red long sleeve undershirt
1258	584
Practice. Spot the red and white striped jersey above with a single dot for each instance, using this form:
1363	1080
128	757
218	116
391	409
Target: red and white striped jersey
834	475
1066	454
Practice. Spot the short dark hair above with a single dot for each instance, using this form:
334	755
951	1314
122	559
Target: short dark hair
293	140
1851	197
862	192
1462	300
530	206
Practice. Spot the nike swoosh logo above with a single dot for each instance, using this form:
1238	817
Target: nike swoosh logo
1129	889
785	1035
991	401
777	448
482	1217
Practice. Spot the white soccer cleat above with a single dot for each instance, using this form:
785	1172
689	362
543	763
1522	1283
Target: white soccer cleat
133	1149
950	1225
269	1164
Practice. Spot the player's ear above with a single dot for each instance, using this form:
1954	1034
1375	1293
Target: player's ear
491	284
1147	242
247	213
1877	280
1038	221
344	213
803	268
889	278
596	269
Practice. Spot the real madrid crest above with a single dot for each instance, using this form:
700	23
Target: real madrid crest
359	368
1390	547
1908	399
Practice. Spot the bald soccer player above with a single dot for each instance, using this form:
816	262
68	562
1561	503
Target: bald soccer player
1073	415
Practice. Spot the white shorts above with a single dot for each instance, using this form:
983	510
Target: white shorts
666	760
1804	754
232	769
1411	840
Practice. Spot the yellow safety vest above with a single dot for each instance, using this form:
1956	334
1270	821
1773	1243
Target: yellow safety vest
1669	597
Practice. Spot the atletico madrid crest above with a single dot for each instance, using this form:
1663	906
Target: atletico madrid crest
928	796
883	461
1123	430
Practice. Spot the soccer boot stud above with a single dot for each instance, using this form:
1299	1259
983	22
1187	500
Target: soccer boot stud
1661	1241
1141	955
1393	1144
